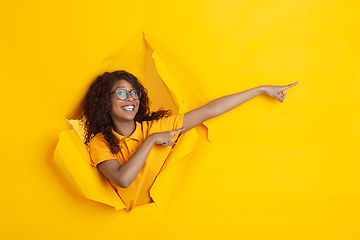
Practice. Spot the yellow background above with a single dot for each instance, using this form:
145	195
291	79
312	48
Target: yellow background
272	170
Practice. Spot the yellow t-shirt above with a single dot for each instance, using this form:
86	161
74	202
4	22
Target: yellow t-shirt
138	192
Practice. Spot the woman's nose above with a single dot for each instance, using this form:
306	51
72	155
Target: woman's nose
129	98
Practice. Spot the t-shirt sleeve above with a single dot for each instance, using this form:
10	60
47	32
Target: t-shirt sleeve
99	150
170	123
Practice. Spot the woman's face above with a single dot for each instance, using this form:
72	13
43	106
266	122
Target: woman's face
123	110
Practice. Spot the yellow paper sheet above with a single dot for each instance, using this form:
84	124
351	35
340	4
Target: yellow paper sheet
271	171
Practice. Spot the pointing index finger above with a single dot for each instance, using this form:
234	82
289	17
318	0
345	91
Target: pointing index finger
291	85
173	132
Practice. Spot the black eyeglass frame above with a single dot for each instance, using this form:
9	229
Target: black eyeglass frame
137	91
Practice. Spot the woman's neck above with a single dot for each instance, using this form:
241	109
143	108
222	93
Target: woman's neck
125	128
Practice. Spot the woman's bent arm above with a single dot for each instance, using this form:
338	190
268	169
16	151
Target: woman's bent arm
124	175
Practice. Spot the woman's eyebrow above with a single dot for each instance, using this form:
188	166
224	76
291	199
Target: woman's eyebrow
125	87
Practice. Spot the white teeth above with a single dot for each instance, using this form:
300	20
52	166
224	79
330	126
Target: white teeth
128	108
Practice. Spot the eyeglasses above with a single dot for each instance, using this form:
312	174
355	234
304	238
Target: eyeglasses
123	94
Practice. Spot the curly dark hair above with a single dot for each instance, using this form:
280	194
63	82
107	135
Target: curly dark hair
96	116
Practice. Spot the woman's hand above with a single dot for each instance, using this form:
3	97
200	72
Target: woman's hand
277	92
164	138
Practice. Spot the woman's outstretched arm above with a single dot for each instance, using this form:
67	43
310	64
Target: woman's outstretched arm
225	104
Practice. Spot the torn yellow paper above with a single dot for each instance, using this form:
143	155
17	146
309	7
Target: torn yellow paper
78	128
281	171
167	158
73	159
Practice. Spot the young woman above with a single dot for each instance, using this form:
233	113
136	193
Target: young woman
121	131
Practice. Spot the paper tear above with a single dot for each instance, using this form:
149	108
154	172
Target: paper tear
73	159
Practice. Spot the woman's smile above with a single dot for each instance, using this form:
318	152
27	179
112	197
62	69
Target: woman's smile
129	107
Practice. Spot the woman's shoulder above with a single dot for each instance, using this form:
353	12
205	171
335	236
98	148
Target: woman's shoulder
161	119
97	139
165	123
